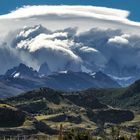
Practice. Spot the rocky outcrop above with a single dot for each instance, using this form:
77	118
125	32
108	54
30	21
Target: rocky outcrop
44	69
110	115
10	116
85	101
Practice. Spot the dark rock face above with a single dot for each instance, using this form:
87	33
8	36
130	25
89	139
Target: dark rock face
74	119
86	101
33	107
132	90
22	70
17	131
42	127
11	117
105	80
113	68
44	69
110	116
58	118
64	117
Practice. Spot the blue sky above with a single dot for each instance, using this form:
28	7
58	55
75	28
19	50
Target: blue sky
131	5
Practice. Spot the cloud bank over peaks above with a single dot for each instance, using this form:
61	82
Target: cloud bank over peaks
121	51
36	45
108	50
51	47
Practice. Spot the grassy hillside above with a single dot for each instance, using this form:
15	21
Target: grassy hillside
68	108
14	121
126	98
87	110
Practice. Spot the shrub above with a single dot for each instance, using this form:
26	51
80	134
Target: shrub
77	135
138	135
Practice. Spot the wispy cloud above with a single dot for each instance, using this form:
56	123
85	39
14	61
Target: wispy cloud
85	17
71	11
87	11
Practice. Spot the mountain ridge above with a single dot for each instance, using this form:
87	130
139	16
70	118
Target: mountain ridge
23	78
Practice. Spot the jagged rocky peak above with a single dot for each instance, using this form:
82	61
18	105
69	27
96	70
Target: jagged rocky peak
44	69
21	71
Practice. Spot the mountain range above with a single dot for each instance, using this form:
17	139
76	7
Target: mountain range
23	78
48	51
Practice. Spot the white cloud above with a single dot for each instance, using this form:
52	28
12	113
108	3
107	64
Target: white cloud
92	57
44	41
53	48
87	11
119	40
122	57
100	31
63	50
88	49
63	16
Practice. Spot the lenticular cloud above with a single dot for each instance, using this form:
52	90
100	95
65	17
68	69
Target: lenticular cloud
64	10
63	16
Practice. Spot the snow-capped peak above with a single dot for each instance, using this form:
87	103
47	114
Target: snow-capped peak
21	71
64	72
16	75
93	74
